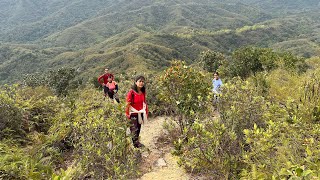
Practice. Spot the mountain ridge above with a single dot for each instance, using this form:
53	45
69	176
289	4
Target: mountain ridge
124	33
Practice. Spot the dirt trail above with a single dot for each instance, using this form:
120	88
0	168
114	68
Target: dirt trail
157	162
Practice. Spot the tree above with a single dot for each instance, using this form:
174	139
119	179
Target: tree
211	60
186	90
250	60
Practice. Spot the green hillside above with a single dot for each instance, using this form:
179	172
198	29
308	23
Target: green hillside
145	35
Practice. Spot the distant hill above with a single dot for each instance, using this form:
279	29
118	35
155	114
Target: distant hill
145	35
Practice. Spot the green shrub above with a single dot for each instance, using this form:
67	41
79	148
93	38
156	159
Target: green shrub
211	60
211	149
11	124
276	150
250	60
97	132
39	105
187	91
16	163
309	106
241	106
61	80
293	63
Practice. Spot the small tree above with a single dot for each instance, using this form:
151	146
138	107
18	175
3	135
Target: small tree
290	62
211	60
250	60
61	81
186	90
11	121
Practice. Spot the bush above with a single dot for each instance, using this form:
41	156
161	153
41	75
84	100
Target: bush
211	149
241	106
16	163
61	81
291	146
39	105
11	124
187	91
292	63
250	60
211	60
97	131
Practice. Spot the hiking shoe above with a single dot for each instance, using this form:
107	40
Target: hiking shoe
138	145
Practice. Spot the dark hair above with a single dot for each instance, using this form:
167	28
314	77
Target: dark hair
216	73
135	87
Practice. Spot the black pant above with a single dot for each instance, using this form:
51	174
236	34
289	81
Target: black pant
110	93
135	128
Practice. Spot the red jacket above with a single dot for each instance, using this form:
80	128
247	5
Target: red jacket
105	78
138	100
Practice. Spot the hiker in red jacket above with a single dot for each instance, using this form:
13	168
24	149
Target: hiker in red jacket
104	77
137	109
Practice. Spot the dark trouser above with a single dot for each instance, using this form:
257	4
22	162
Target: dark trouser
110	93
135	128
105	90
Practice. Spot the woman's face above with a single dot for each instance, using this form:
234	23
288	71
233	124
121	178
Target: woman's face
140	83
109	79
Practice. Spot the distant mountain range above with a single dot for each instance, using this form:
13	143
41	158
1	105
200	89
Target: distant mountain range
144	35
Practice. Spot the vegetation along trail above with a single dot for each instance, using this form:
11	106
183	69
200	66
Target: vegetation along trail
157	162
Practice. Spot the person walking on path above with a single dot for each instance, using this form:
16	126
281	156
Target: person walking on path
111	87
104	81
216	83
137	109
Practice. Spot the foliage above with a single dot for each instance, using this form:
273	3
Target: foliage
310	99
241	106
259	80
211	60
38	104
187	92
97	131
34	80
61	81
16	163
151	33
93	131
293	148
290	62
251	129
11	124
250	60
212	149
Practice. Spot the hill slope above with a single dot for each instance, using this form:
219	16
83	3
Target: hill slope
145	35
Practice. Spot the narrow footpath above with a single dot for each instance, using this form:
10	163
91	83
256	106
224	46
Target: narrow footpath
157	162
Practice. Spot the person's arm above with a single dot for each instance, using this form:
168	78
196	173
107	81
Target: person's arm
99	79
117	88
127	109
145	101
128	104
213	86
